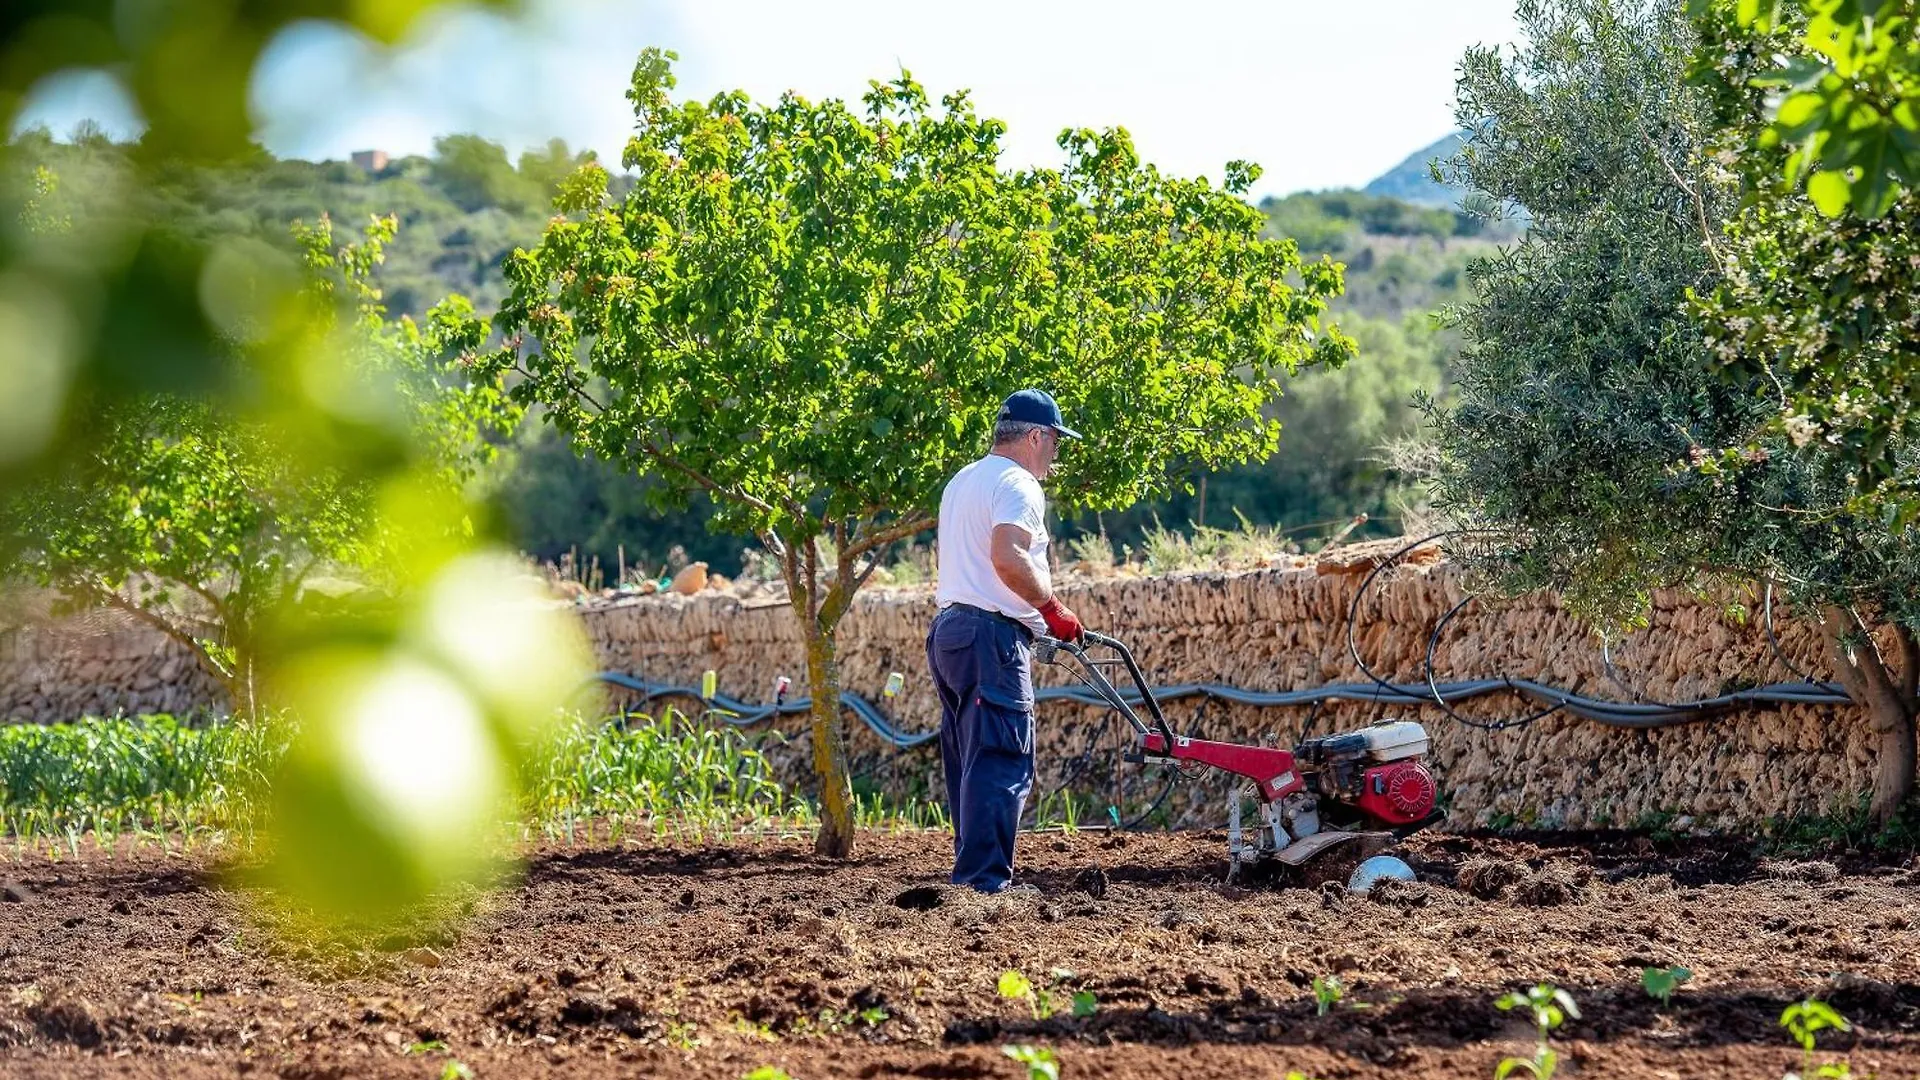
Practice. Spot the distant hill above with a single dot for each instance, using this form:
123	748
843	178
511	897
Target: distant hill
1412	181
461	211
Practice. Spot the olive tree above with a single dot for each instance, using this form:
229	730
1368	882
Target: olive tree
812	314
1592	434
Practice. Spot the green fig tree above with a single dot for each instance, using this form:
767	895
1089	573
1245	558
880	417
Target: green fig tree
812	313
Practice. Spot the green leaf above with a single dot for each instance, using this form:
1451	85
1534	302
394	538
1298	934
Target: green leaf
1040	1061
1508	1065
1014	985
1830	192
1800	111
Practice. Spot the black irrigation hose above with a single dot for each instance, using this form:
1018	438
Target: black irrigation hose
1440	699
1353	609
1610	713
1773	642
1435	697
1640	714
739	714
1637	714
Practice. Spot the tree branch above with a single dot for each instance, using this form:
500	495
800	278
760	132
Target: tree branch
100	593
872	565
218	605
1833	626
580	390
291	586
1871	669
653	451
812	562
897	531
790	570
1699	203
1909	665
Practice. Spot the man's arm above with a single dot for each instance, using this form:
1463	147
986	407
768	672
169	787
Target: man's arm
1018	571
1015	567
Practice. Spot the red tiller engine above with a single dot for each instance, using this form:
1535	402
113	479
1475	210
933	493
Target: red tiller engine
1379	770
1366	788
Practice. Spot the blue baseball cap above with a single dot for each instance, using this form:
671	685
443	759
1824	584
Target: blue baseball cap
1035	407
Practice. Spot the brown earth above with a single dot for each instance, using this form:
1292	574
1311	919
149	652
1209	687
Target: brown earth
708	962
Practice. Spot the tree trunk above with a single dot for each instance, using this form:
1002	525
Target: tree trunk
1873	683
829	747
1894	764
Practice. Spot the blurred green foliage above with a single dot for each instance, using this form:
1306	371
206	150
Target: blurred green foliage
119	311
205	524
112	305
448	241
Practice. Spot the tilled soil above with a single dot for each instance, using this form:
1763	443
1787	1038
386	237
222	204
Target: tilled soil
650	961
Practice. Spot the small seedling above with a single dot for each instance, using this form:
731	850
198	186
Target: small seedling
456	1070
874	1015
1327	992
1039	1060
427	1047
1806	1019
767	1072
1550	1007
760	1029
683	1035
1660	983
1014	984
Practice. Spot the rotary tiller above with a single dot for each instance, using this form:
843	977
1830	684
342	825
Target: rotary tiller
1354	793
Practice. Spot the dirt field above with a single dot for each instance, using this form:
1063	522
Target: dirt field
638	961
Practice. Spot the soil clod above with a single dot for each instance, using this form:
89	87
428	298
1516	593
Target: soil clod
1489	878
920	898
1093	881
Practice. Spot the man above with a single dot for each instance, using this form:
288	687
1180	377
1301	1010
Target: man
995	593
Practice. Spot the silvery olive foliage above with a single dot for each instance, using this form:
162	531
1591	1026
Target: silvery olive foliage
1593	437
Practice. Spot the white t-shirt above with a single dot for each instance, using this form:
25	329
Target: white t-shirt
992	491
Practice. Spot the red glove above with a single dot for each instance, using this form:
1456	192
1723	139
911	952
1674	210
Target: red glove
1061	621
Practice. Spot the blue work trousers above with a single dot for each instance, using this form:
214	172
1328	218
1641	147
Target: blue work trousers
983	668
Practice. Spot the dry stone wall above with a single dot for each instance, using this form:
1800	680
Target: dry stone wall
1284	629
101	664
1274	629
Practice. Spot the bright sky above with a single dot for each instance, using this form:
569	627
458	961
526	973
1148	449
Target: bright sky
1320	94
